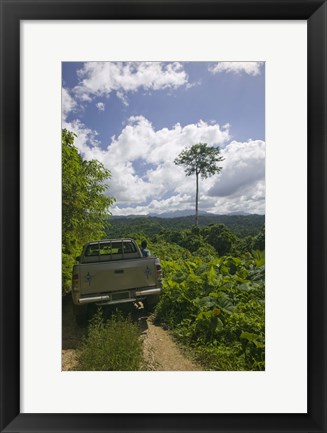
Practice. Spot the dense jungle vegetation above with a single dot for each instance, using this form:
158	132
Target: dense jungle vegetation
213	297
213	292
241	225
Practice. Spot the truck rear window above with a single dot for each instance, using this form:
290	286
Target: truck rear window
92	250
110	249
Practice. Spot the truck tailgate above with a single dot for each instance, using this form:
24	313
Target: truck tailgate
119	275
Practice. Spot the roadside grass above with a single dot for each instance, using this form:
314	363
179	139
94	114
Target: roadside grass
112	345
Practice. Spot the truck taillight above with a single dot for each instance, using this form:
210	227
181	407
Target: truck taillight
75	282
159	272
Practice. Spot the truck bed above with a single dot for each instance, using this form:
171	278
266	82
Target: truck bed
116	275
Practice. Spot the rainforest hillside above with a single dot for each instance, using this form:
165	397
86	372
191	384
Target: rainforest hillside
213	298
240	225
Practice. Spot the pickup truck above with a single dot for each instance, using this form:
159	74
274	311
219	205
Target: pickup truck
114	271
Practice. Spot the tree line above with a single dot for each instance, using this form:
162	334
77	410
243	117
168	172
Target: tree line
85	207
241	225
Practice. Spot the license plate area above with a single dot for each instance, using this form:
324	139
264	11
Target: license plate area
119	296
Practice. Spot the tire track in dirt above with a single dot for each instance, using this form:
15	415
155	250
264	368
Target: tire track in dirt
161	353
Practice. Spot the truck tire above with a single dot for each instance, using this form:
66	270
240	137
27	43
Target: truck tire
151	302
81	315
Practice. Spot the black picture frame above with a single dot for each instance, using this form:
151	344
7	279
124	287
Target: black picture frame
12	12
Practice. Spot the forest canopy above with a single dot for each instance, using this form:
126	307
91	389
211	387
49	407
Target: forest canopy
85	207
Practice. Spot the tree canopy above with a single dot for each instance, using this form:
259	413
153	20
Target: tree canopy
85	207
200	159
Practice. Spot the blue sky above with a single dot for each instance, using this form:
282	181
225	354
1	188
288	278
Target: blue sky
137	117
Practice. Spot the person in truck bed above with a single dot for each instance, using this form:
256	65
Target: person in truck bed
145	252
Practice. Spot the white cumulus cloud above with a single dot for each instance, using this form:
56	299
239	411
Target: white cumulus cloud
250	68
86	140
100	106
103	78
242	180
145	178
140	145
68	103
139	141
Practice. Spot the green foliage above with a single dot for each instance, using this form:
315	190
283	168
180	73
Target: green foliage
212	302
114	345
201	160
85	207
212	239
259	240
169	251
206	251
240	225
201	241
213	289
219	357
220	238
216	305
68	261
259	257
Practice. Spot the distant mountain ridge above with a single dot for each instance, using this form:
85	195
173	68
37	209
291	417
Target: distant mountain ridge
242	225
180	213
177	213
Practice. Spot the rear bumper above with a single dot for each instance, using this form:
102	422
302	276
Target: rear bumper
149	292
135	296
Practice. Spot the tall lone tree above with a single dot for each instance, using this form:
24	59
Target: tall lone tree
200	159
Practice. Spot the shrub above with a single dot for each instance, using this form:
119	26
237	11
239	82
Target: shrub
222	358
217	307
114	345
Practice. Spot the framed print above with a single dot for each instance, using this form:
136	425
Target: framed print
269	62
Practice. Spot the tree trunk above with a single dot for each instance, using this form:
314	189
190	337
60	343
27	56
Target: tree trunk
197	200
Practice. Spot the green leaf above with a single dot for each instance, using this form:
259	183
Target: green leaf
254	338
212	276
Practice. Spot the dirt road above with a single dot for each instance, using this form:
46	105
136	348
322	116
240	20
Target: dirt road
161	353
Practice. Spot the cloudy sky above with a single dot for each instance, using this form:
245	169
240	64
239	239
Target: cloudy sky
137	117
